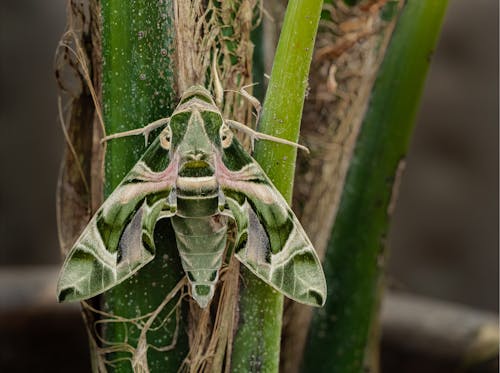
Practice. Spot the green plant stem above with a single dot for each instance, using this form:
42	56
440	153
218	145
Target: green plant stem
257	342
138	89
356	251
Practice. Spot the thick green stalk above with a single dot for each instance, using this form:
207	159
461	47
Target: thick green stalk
257	342
138	88
353	265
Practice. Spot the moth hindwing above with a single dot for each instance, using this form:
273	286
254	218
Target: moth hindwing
197	174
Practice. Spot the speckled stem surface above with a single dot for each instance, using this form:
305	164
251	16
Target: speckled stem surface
138	88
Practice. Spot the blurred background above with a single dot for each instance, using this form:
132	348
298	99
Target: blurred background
444	235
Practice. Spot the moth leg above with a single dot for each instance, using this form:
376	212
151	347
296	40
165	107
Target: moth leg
172	200
170	205
221	200
262	136
233	227
145	131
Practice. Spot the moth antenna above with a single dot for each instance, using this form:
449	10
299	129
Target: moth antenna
252	99
262	136
267	14
145	131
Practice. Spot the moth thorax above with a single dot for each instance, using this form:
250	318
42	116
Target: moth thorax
197	196
196	186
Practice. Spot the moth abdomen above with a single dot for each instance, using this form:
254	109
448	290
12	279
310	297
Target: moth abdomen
201	242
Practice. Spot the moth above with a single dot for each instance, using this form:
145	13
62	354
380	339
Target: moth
199	176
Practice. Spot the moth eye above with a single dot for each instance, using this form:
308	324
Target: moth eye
226	136
165	138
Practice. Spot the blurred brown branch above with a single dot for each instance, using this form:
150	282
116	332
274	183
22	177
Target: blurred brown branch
433	329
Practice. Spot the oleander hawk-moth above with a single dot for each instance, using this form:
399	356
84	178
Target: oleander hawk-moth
198	175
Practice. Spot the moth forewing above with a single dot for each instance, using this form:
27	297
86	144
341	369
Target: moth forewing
276	248
117	241
197	174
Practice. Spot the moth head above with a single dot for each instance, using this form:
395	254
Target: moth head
166	138
226	135
199	92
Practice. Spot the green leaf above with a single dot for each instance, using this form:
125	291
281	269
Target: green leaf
257	342
354	261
